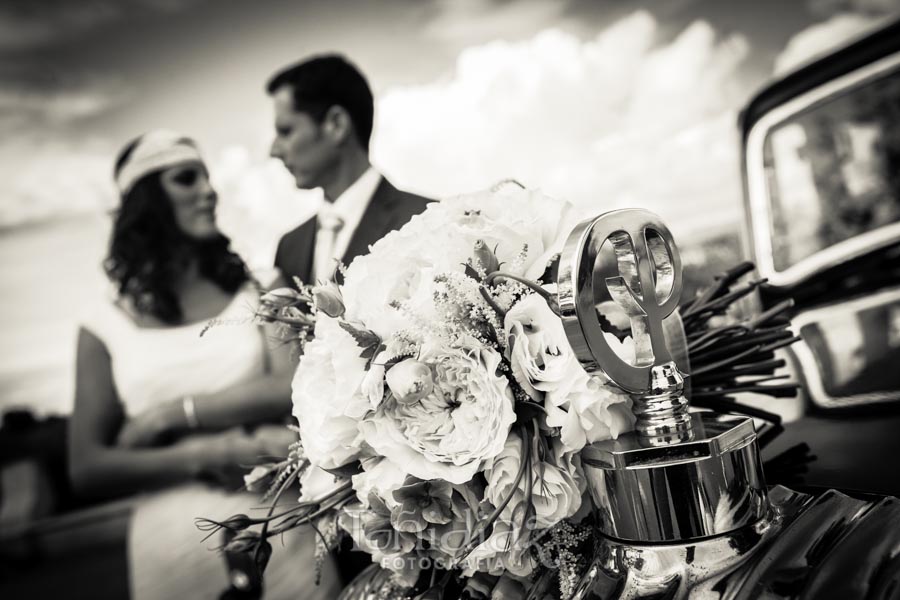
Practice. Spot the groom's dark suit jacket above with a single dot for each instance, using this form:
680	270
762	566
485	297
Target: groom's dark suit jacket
389	209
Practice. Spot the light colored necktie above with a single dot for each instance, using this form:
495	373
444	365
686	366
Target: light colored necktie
330	224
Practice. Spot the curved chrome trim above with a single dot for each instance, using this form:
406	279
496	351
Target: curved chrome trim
810	367
761	217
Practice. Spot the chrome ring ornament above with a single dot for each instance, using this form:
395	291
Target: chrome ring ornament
646	283
647	287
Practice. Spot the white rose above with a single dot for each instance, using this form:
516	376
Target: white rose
448	434
557	483
328	401
401	265
541	357
591	411
380	477
316	484
372	385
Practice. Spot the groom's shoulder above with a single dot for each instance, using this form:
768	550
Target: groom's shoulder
404	201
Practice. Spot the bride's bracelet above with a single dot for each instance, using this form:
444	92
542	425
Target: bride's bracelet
190	412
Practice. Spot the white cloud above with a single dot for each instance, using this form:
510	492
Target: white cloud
21	104
609	122
257	199
59	179
43	173
474	20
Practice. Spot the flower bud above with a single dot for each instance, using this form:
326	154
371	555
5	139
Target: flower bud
328	300
238	522
281	298
245	541
485	257
409	380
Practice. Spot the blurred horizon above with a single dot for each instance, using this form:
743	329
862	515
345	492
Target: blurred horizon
605	103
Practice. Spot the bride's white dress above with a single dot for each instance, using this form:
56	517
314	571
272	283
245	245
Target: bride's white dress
166	552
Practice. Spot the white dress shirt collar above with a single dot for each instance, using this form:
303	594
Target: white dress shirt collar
349	207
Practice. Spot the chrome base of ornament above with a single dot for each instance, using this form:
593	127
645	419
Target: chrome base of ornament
707	486
662	413
830	545
629	571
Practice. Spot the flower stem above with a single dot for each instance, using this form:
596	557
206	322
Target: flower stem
533	285
496	514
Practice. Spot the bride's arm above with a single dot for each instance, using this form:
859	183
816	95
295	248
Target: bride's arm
266	398
261	399
100	468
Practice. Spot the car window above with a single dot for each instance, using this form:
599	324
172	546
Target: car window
833	170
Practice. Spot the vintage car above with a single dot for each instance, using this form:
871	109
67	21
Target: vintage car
821	164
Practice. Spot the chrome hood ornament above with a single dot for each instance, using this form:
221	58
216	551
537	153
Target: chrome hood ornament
679	476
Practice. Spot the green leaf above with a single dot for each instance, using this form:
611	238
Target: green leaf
364	338
347	471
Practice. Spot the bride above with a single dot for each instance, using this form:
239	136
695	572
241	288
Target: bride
160	410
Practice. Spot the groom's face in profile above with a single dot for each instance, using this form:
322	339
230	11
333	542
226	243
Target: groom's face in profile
300	143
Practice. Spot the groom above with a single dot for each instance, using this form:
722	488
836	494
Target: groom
323	122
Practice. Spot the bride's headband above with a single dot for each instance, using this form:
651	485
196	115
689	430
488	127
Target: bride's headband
154	151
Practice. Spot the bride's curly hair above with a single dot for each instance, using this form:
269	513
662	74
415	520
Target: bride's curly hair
148	252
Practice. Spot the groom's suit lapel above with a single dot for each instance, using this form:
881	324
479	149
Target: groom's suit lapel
306	246
388	209
376	222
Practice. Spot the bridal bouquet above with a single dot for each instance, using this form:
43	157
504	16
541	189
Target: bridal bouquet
441	409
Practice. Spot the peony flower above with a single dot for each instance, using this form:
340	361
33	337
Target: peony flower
557	483
452	431
328	401
410	380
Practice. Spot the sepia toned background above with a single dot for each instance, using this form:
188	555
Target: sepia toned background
607	103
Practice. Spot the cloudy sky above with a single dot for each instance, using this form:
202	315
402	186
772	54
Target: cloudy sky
606	102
